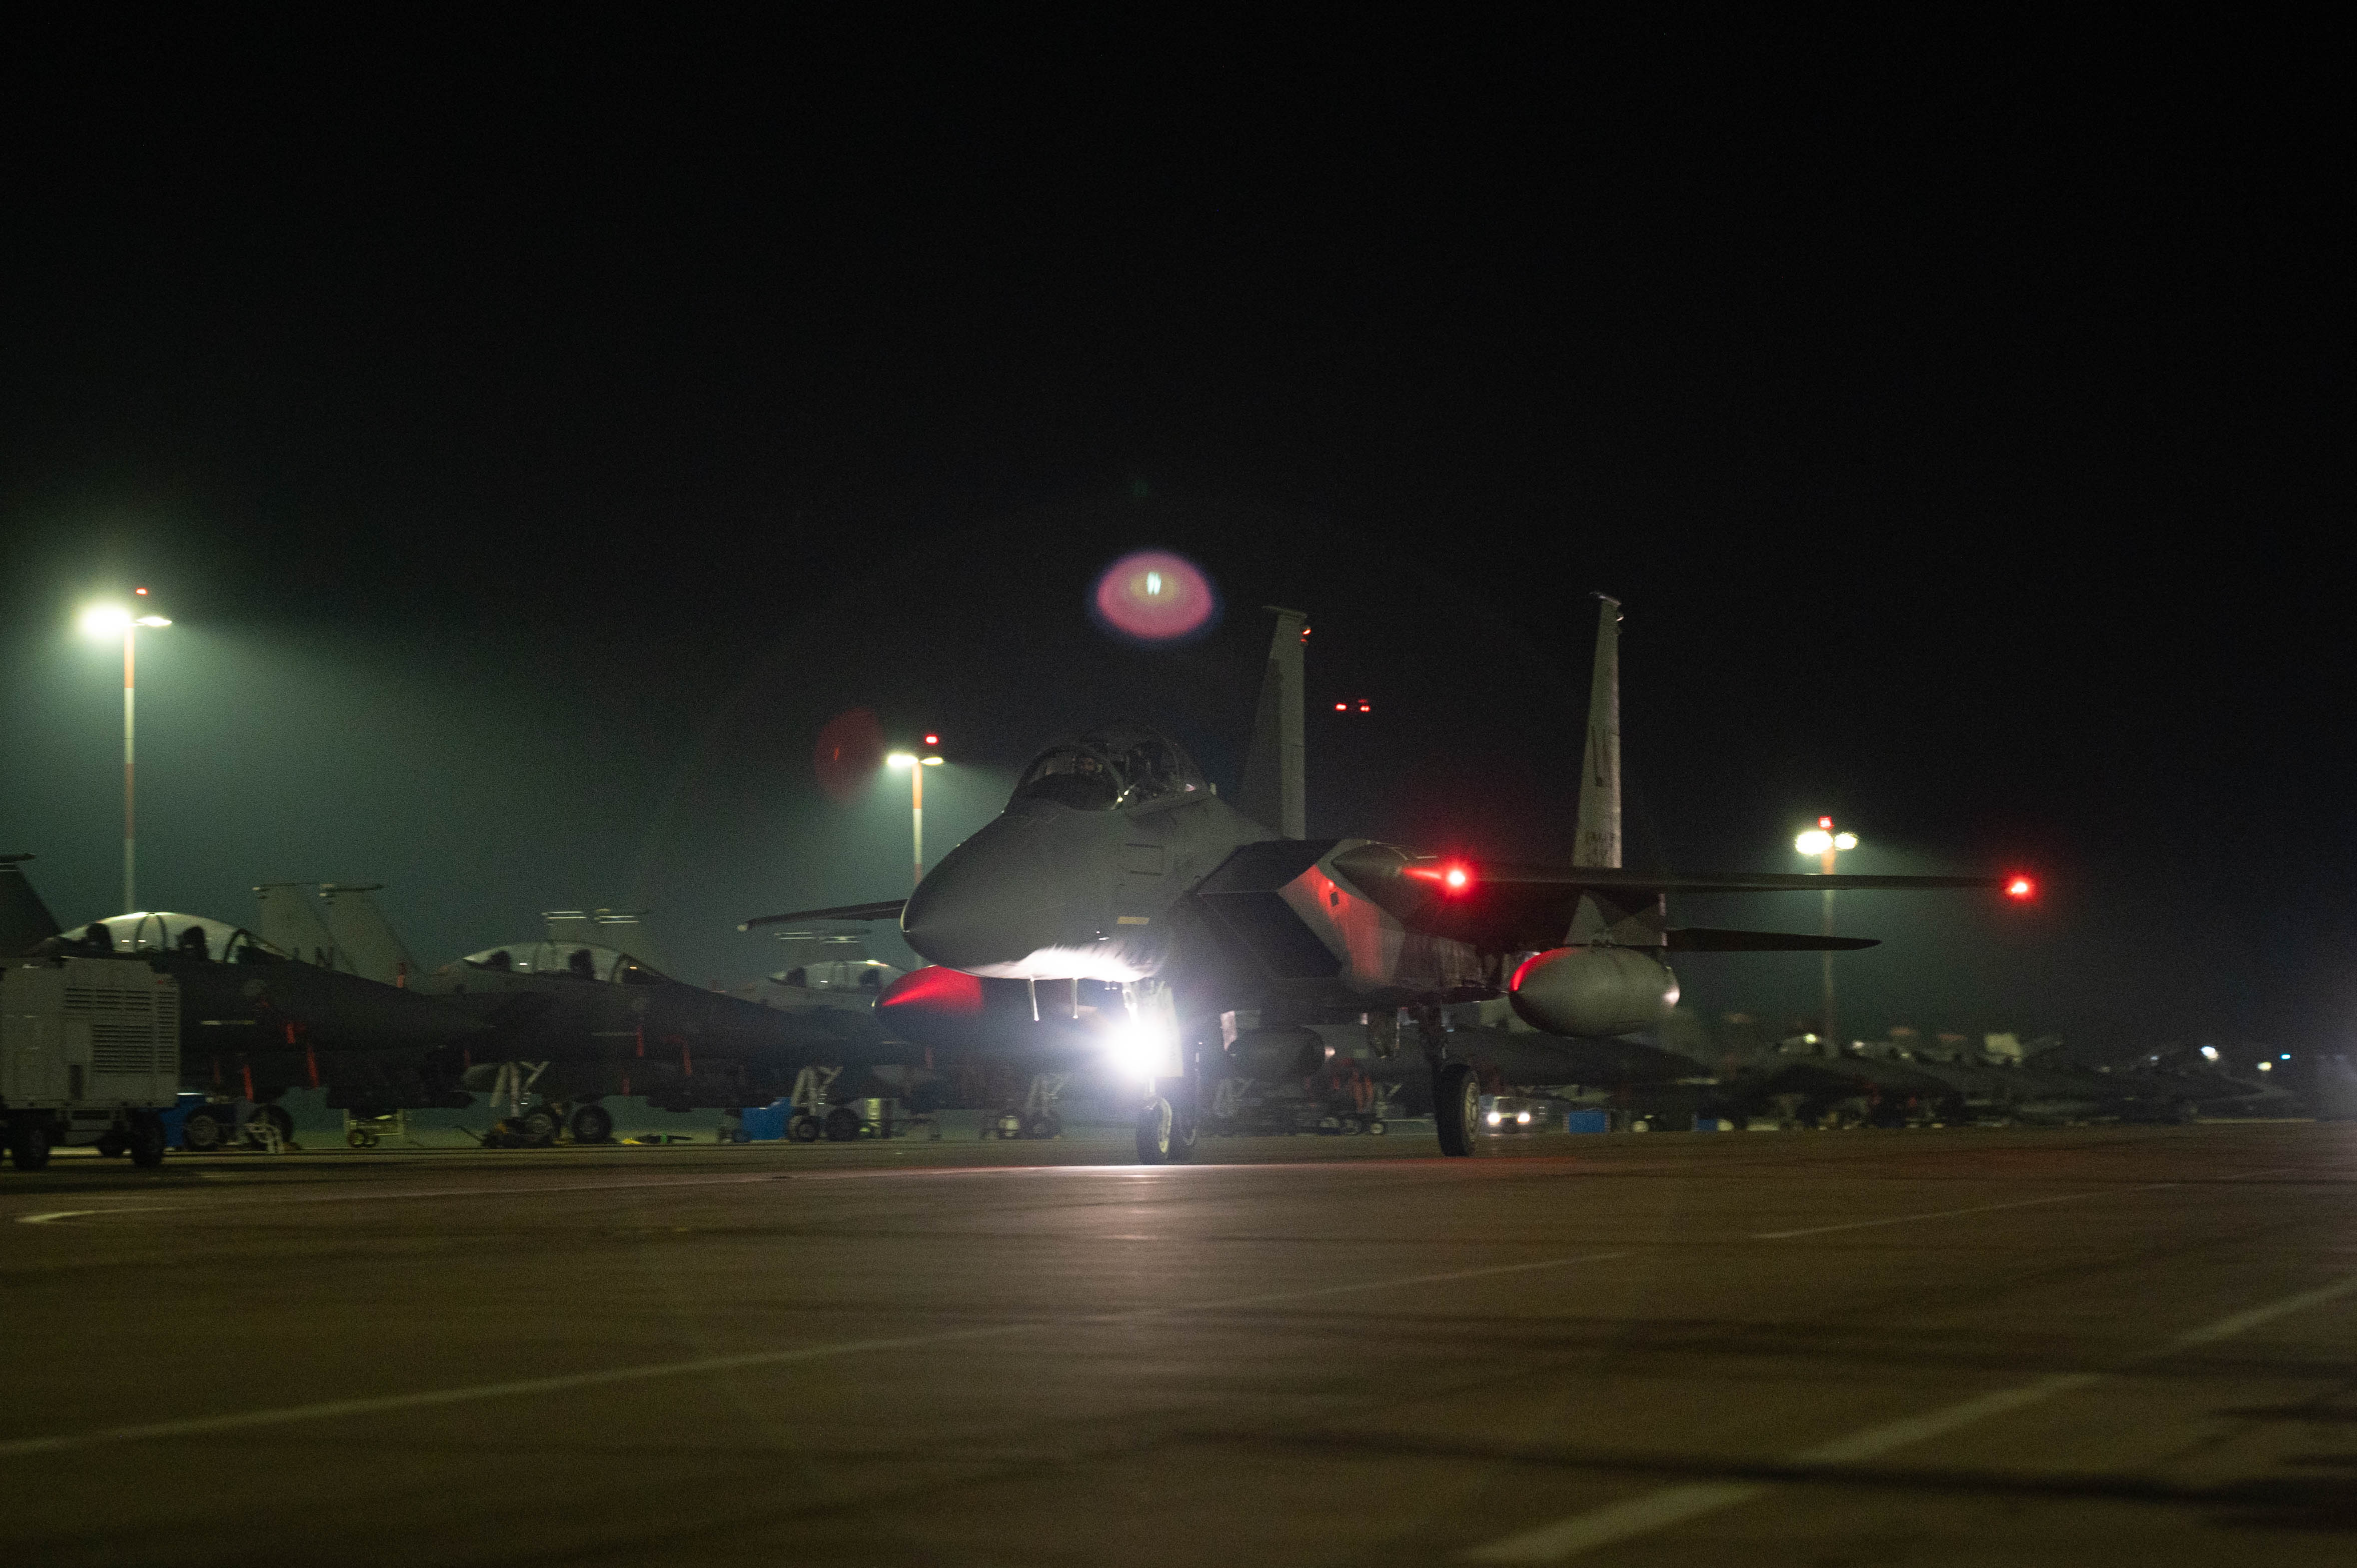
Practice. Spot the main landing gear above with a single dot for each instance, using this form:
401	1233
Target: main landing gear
1457	1107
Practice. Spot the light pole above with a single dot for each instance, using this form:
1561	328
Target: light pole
1826	845
105	620
916	766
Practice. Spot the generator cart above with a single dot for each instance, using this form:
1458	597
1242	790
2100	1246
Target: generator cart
89	1053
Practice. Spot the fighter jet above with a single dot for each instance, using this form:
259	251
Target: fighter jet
256	1022
1116	861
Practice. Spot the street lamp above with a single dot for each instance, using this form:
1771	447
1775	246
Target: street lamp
106	621
1826	845
916	766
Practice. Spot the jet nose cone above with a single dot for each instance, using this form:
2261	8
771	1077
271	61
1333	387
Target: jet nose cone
987	906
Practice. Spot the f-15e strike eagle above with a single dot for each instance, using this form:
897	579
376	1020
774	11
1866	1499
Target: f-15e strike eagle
1230	931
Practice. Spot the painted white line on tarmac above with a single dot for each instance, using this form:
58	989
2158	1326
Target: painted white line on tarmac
382	1404
1957	1213
1668	1506
54	1215
424	1193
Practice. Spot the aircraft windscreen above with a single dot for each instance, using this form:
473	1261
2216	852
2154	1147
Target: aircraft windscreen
193	935
1111	769
574	958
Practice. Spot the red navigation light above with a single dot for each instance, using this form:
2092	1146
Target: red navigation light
2020	888
1366	708
142	592
1457	877
1341	707
1824	822
933	740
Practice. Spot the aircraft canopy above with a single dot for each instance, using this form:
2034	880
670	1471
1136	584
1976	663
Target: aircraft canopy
576	959
1110	768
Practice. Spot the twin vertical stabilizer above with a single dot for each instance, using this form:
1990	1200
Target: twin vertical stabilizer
1598	843
1273	793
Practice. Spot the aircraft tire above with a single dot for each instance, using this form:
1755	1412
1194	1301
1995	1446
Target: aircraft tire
114	1146
1154	1128
801	1128
202	1133
1042	1126
1374	1129
538	1124
29	1146
147	1142
841	1124
278	1116
1456	1109
593	1124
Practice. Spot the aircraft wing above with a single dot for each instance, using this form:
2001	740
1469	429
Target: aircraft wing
886	909
1504	904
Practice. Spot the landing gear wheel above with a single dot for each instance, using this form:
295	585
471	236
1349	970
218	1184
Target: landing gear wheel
114	1145
147	1141
593	1125
1374	1129
29	1146
801	1128
361	1138
278	1117
1041	1126
1457	1108
538	1126
1154	1133
203	1132
841	1124
1186	1127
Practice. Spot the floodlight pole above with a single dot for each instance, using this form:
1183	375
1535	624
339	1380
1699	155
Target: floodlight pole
916	820
1826	845
130	820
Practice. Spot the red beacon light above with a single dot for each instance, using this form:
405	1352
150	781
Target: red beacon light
1341	707
2020	888
933	740
1456	878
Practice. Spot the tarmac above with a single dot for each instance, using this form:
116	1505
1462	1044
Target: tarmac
2020	1347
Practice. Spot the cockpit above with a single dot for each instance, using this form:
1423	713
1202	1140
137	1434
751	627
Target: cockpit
1110	769
574	958
190	936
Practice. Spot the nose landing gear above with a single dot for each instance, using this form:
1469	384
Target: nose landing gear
1166	1130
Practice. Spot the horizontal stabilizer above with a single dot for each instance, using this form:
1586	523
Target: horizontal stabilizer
886	909
1604	881
1702	939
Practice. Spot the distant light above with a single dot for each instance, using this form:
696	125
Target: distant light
1814	842
1455	877
900	759
1341	707
933	740
1153	596
105	620
2020	888
151	621
2285	1057
1844	841
1366	707
2210	1053
1824	823
1496	1117
141	592
1523	1118
2266	1067
932	762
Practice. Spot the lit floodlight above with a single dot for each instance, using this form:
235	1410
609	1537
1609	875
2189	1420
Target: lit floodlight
1844	841
2210	1053
1816	840
1139	1051
2266	1067
900	759
153	620
105	620
932	762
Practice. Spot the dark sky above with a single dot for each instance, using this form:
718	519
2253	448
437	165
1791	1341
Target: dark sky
536	436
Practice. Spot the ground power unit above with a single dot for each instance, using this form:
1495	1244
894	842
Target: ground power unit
90	1054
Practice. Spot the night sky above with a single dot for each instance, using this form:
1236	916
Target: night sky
537	437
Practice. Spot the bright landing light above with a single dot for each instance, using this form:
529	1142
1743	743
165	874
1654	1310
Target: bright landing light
1140	1051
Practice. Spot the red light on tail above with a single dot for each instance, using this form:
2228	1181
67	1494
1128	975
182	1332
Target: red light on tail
2020	888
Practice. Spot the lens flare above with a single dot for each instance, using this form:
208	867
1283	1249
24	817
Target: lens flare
849	751
1153	596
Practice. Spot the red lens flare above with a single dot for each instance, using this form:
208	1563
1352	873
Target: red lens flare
933	740
1153	596
2020	888
850	749
1456	878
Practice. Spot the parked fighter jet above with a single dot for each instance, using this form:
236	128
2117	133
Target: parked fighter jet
1116	861
255	1023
